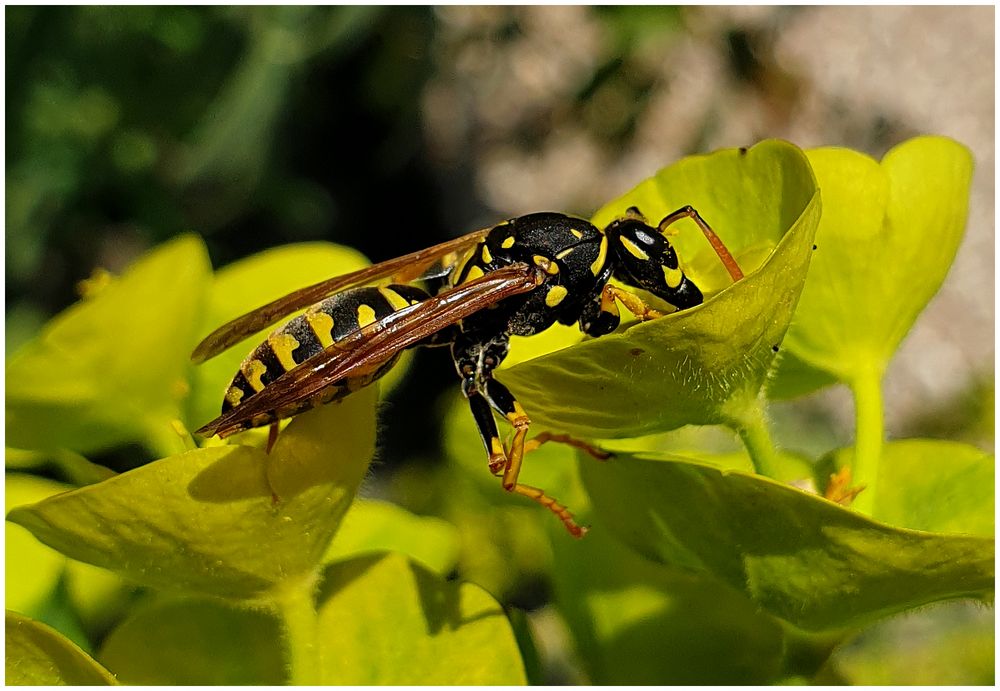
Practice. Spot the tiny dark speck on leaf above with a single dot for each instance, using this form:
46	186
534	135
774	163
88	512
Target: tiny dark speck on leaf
743	151
814	246
635	352
774	348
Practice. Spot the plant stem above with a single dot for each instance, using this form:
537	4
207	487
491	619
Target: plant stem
298	612
808	653
751	425
868	436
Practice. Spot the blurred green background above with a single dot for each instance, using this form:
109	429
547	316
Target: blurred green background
391	129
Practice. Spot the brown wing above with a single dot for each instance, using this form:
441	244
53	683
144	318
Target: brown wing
400	270
365	349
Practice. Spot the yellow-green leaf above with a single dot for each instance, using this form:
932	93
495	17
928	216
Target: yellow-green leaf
702	365
196	641
112	369
228	520
887	238
798	556
933	485
384	620
947	644
636	622
375	526
31	569
36	655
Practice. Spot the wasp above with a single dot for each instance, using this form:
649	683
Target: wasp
518	277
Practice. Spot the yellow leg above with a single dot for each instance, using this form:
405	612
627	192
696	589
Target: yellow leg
633	302
504	401
515	456
561	512
545	437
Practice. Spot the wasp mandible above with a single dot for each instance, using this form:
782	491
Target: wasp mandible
517	278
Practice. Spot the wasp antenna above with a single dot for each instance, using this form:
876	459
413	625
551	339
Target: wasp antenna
717	244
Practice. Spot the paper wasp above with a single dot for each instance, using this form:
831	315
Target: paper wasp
516	278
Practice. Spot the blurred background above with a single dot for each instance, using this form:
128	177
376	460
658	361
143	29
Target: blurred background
391	129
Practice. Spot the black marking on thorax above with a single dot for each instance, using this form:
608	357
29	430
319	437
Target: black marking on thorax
572	254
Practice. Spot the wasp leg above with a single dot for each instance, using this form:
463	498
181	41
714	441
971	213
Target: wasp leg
272	436
503	400
599	316
545	437
487	427
602	316
633	302
720	248
474	363
561	512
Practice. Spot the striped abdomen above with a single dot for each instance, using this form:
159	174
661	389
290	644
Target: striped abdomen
310	333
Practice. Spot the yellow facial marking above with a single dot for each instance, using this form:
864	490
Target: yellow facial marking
474	273
366	316
555	295
487	257
565	253
602	255
283	345
507	243
576	233
395	300
547	264
253	371
322	325
673	277
234	396
633	248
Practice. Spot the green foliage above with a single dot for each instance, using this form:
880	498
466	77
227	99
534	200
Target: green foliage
70	388
36	655
808	561
643	623
390	621
704	564
192	640
180	536
889	230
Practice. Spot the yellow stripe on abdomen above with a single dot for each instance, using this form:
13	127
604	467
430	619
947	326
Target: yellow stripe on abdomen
366	316
253	371
394	299
282	345
321	324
